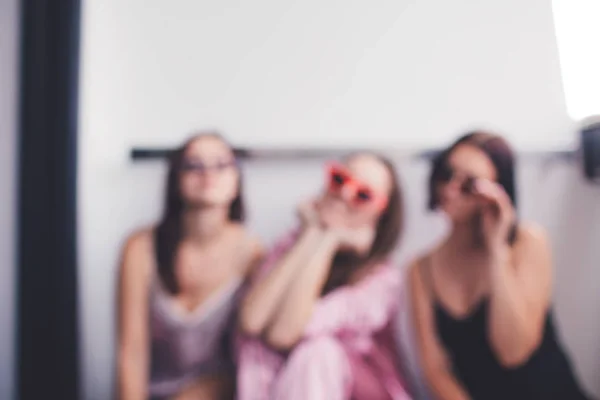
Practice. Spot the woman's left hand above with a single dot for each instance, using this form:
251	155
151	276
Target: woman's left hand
308	214
359	240
498	213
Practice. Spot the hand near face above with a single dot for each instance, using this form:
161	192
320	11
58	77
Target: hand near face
308	214
334	224
358	238
497	213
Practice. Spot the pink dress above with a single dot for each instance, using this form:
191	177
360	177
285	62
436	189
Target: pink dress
347	351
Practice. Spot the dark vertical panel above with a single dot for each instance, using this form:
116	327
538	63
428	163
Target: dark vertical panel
47	273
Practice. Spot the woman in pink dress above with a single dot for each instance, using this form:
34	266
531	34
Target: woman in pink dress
315	323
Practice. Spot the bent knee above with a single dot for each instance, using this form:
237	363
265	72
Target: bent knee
317	365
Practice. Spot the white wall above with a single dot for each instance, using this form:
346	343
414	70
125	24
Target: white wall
9	44
115	196
313	72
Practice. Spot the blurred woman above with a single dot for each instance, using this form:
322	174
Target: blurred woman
316	321
180	279
482	297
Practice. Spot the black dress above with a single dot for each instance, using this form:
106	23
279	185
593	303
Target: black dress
547	375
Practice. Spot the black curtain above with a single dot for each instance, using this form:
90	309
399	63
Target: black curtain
47	335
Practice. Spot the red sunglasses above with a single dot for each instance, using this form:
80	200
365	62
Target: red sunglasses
341	181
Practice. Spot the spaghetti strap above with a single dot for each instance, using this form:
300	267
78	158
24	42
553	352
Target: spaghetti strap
427	276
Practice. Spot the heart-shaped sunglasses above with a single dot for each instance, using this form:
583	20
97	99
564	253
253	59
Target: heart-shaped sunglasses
341	182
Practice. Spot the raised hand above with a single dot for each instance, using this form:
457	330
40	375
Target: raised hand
357	239
308	214
333	225
498	213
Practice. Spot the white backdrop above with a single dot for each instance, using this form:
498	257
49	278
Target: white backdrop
405	73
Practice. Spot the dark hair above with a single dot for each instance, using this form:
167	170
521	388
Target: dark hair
169	232
388	234
499	152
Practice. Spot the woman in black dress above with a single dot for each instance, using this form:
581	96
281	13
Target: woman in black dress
481	299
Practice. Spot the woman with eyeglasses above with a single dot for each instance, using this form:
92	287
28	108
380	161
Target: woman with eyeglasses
481	298
180	281
315	323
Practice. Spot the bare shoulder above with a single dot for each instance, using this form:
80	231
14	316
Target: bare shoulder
532	231
137	252
247	239
415	265
138	241
254	249
532	249
532	238
418	293
414	270
255	244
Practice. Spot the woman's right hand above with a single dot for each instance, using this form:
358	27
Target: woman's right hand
308	214
358	239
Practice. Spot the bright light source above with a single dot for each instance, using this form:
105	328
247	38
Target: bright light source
577	24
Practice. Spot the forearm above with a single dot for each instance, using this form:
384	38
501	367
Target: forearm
207	388
510	329
291	318
445	386
132	379
265	297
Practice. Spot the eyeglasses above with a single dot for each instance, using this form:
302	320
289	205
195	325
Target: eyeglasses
447	174
200	167
340	181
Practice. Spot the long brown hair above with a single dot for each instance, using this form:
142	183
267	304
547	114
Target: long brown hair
169	231
388	234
